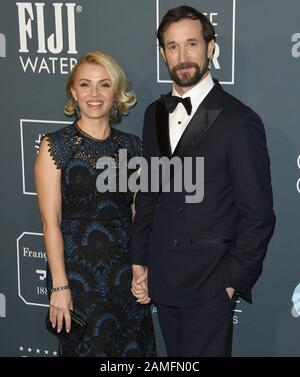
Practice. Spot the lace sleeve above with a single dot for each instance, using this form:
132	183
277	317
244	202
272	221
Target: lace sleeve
56	149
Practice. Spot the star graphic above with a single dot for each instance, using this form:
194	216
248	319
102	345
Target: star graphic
46	352
29	349
38	351
21	348
54	353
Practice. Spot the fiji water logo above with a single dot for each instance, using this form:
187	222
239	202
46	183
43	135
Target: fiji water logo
47	31
296	302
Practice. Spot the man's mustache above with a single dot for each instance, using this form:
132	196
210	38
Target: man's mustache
185	66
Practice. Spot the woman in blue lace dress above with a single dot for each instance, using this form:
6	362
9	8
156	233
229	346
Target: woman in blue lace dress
87	232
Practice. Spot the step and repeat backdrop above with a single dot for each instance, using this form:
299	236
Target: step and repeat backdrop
257	59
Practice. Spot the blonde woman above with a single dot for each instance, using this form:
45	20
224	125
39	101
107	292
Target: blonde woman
87	232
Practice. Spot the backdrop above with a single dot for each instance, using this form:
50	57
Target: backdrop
257	59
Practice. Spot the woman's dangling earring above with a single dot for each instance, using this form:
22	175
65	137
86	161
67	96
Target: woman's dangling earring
77	113
76	110
115	112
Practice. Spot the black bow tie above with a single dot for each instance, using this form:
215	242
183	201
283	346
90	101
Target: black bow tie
171	103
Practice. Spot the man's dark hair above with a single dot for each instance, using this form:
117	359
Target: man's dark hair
185	12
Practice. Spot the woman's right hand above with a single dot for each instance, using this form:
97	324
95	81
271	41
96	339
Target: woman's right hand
60	305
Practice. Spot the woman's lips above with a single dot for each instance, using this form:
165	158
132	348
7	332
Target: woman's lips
95	103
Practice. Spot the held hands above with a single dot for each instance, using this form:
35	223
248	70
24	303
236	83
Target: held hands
139	286
60	306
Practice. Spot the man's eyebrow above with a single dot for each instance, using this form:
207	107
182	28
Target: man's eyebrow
188	40
170	43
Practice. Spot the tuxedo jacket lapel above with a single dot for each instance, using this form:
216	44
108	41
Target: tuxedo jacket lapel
204	117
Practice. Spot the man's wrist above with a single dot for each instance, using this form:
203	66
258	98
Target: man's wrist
138	268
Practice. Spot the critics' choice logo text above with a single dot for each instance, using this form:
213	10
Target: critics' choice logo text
222	16
235	313
31	133
47	36
31	259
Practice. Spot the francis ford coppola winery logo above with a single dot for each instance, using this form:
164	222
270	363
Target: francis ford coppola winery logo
47	36
31	258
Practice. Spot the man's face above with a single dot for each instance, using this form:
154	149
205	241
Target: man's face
186	53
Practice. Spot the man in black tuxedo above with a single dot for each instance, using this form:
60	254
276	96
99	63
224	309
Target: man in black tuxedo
197	258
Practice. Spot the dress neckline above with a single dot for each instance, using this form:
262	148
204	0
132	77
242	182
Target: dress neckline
91	137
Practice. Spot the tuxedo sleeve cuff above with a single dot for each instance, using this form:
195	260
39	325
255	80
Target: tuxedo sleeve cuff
241	280
141	260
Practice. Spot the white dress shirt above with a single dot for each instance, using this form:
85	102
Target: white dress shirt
179	118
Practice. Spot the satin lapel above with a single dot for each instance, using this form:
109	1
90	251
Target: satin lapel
196	129
194	132
204	117
162	127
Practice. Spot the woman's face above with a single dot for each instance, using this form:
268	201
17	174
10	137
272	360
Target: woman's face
93	91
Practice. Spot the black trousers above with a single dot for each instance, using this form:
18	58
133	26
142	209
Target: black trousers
204	331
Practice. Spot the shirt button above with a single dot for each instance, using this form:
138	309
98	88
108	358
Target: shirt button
175	243
179	210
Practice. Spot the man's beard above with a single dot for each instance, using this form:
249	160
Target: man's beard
186	79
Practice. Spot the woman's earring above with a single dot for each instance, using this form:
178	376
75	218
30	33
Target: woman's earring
76	109
115	112
77	113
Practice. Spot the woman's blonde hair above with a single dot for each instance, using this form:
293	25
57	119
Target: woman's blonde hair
124	98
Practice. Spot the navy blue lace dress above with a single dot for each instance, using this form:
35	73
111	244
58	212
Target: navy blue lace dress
96	231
